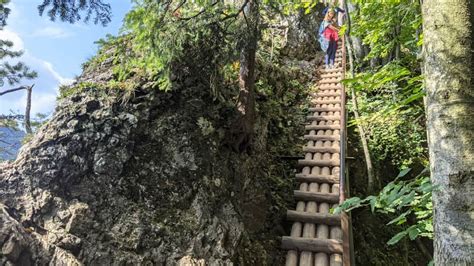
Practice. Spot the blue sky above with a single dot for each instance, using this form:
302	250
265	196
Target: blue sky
55	50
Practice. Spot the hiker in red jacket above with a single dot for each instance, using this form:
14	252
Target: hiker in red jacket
329	35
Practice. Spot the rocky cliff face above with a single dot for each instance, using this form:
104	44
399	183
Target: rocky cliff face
302	33
144	178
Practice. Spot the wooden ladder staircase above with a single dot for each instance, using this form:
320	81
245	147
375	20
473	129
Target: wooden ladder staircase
318	237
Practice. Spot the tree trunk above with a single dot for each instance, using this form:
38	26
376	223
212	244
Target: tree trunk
397	45
449	76
363	137
246	99
357	46
29	90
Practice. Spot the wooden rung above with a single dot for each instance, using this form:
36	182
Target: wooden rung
331	94
323	118
316	196
328	98
322	137
314	149
333	70
319	162
315	101
328	246
336	75
317	178
331	86
324	109
322	127
327	89
326	81
314	218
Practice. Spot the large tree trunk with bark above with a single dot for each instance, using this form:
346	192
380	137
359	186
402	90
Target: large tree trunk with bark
244	127
449	73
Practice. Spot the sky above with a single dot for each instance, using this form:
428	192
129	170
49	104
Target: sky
55	50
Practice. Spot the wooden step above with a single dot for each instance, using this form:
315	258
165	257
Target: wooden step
335	75
331	86
326	94
333	70
322	127
314	218
325	88
328	246
317	178
329	81
322	137
319	162
316	196
318	101
323	117
324	109
314	149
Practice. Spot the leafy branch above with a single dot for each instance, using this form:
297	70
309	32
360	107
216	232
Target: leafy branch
411	200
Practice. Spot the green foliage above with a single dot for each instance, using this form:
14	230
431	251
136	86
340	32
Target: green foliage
390	101
410	200
164	31
10	123
206	126
388	97
384	25
65	91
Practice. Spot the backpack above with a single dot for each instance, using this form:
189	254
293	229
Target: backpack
322	40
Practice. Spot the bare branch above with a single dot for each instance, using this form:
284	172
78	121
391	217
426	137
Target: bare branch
13	90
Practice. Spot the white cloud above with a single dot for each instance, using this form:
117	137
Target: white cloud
9	35
62	80
52	32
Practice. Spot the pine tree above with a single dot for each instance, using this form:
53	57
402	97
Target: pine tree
13	74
